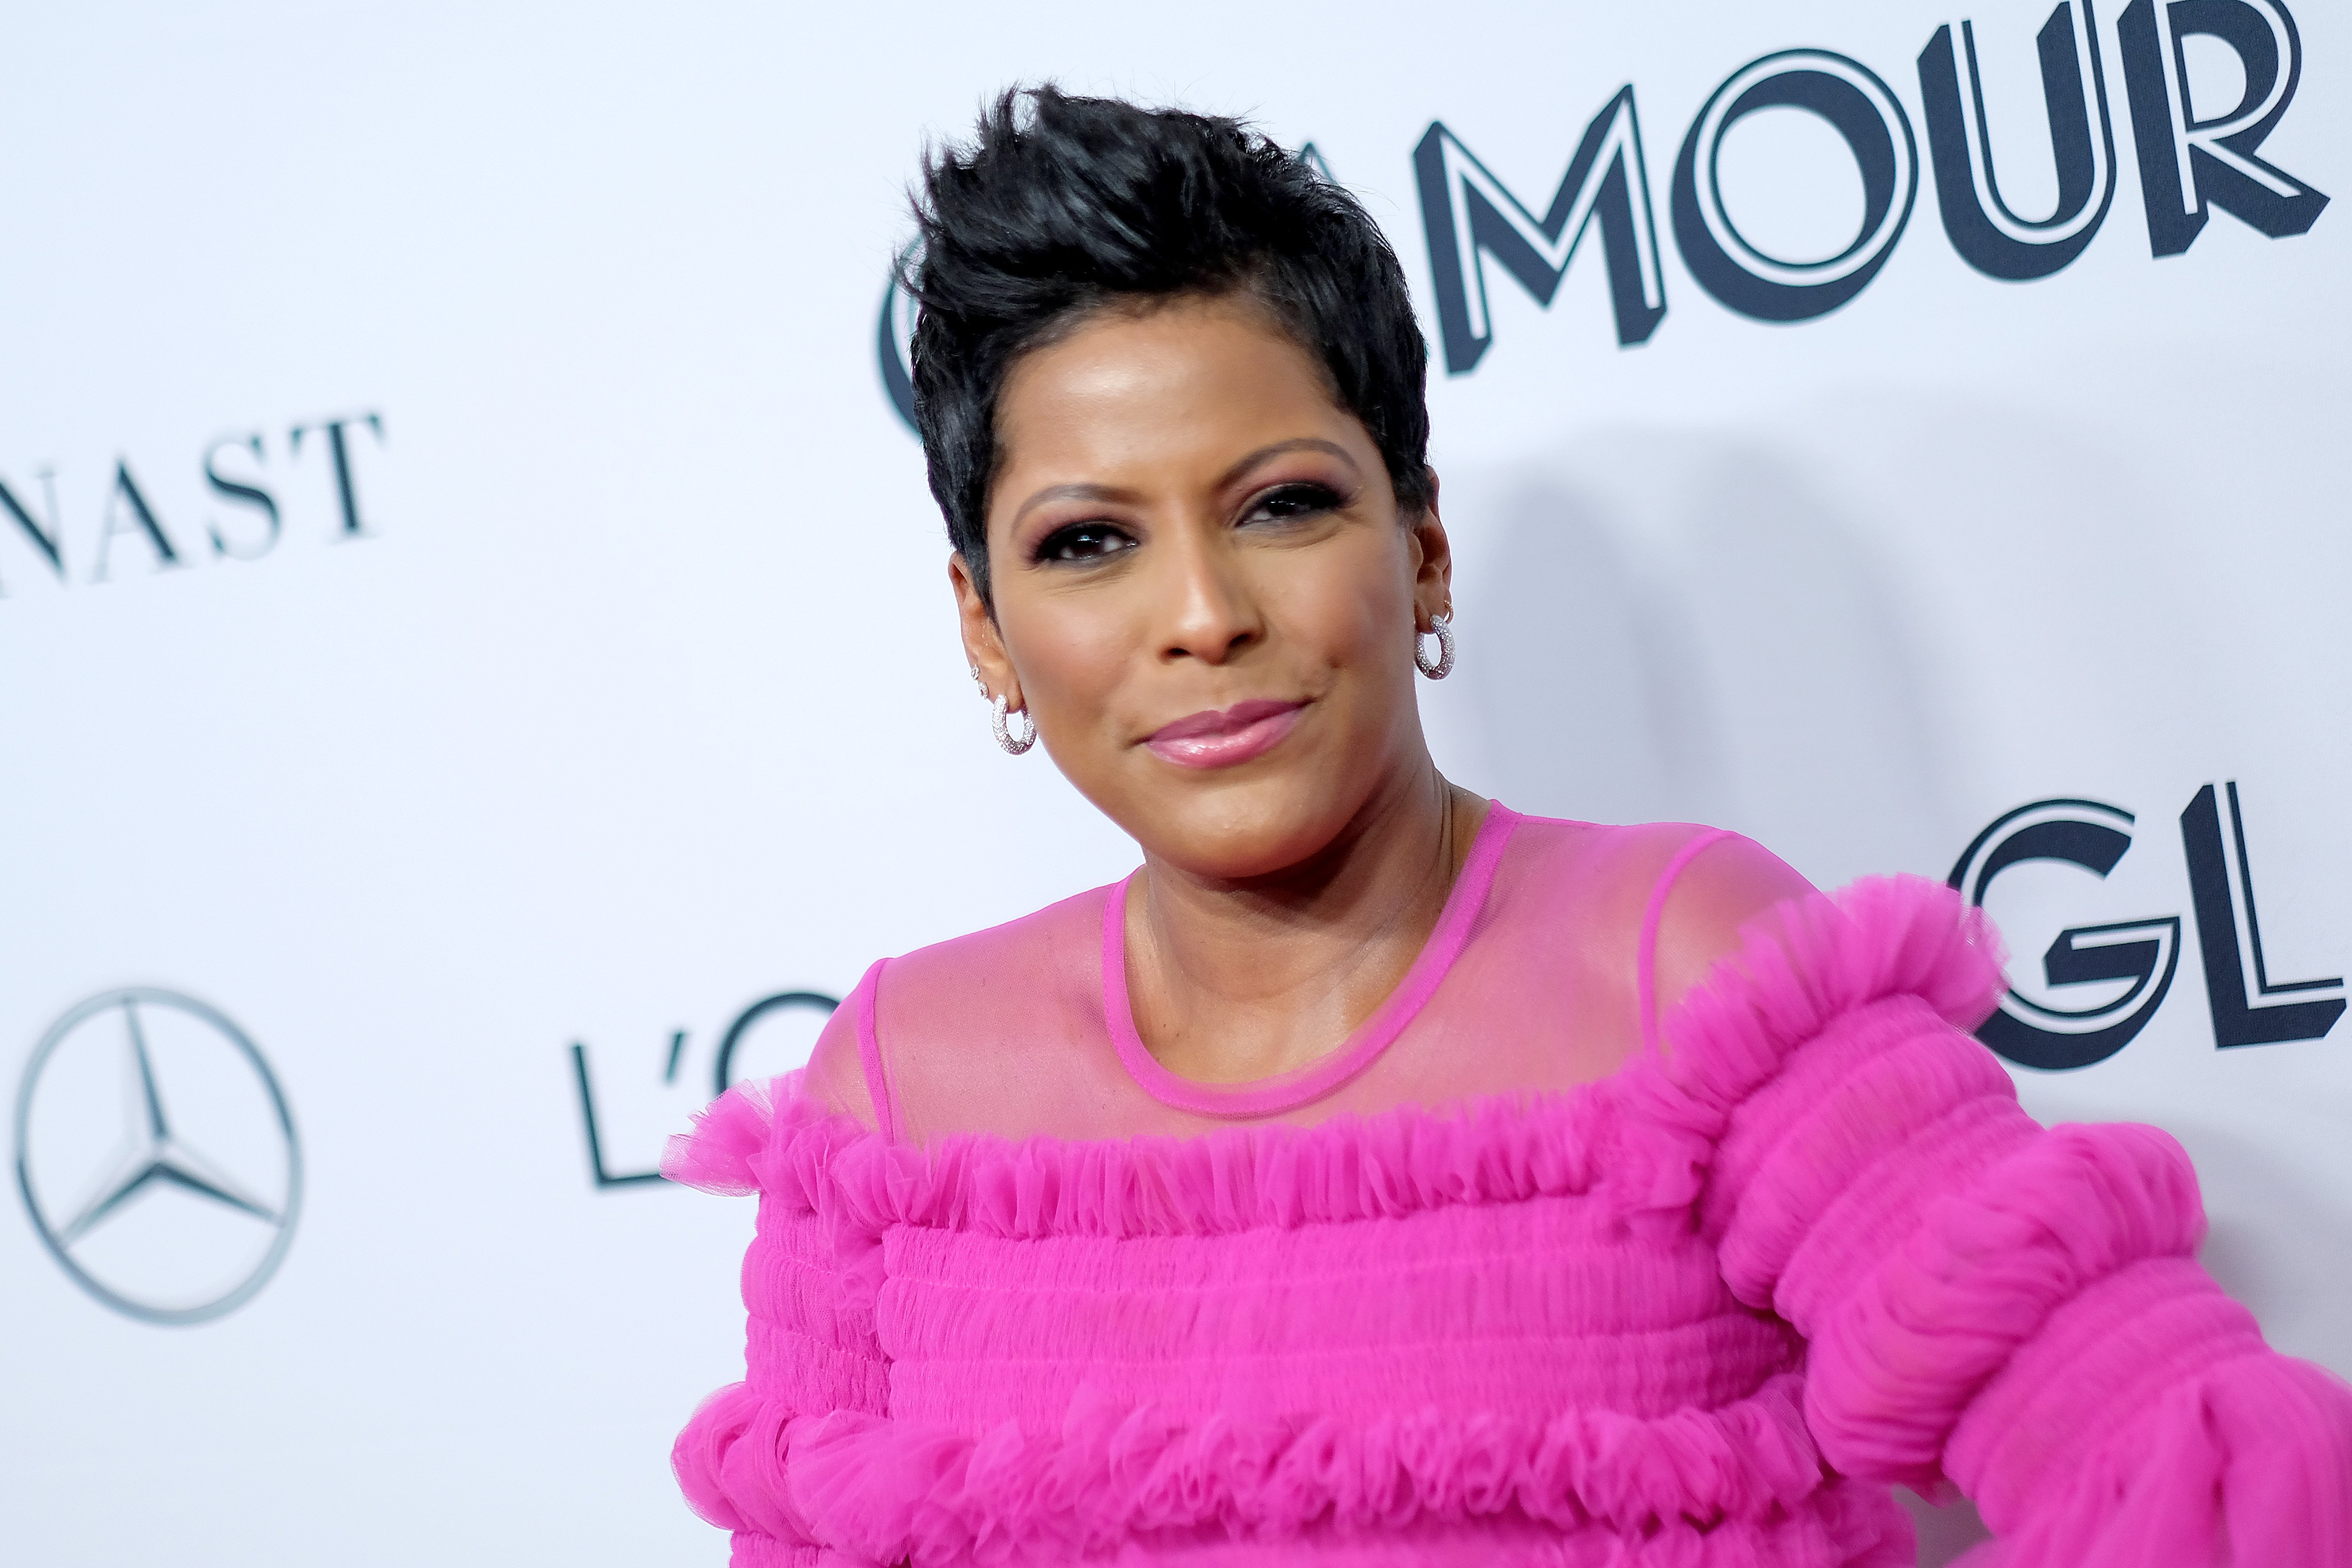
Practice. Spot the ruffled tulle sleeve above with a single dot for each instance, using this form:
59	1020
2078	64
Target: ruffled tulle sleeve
2014	1310
810	1349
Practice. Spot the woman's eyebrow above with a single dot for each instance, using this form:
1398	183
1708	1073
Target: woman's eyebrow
1303	444
1114	493
1070	492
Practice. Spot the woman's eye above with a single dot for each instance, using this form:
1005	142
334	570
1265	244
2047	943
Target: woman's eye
1293	501
1083	542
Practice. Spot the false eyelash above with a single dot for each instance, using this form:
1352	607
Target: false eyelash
1315	496
1047	546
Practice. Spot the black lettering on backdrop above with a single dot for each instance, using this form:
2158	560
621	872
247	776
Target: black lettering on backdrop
1877	132
892	339
897	379
125	500
47	541
2189	161
338	448
1468	215
1985	233
131	506
2093	836
723	1071
722	1076
596	1171
2143	953
2219	899
238	490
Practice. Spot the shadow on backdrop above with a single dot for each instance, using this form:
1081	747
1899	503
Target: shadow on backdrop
1675	627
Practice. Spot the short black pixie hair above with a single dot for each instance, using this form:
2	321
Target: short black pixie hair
1063	205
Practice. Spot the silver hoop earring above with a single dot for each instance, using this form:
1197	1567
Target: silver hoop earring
1443	664
1013	744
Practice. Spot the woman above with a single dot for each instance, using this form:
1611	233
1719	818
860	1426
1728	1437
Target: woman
1377	1174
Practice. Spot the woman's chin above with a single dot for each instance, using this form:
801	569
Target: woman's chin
1245	829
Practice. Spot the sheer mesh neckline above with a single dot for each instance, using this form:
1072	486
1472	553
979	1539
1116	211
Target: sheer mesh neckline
1305	1085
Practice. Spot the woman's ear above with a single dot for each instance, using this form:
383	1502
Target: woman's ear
1433	582
983	645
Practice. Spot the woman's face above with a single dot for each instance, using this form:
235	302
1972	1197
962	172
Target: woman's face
1204	594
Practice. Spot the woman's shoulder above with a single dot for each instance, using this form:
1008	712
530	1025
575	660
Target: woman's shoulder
1658	902
1695	873
1673	909
1002	960
957	1021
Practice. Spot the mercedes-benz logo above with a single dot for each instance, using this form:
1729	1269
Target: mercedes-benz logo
156	1155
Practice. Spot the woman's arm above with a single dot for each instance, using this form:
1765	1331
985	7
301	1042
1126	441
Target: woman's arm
808	1294
2016	1310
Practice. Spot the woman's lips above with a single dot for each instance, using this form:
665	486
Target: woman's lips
1219	740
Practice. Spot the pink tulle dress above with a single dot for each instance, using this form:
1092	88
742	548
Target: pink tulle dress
1522	1272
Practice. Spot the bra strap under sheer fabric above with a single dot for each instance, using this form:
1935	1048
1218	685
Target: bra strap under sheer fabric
1645	969
869	1054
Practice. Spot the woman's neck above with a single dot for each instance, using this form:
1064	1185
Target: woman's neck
1231	982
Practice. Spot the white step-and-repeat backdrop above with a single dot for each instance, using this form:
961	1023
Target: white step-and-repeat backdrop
476	668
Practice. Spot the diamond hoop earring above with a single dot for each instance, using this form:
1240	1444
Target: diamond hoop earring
1013	744
1443	664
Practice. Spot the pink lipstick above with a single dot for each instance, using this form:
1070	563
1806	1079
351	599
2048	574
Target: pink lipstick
1211	739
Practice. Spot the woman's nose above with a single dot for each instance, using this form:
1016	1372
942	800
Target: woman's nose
1211	614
